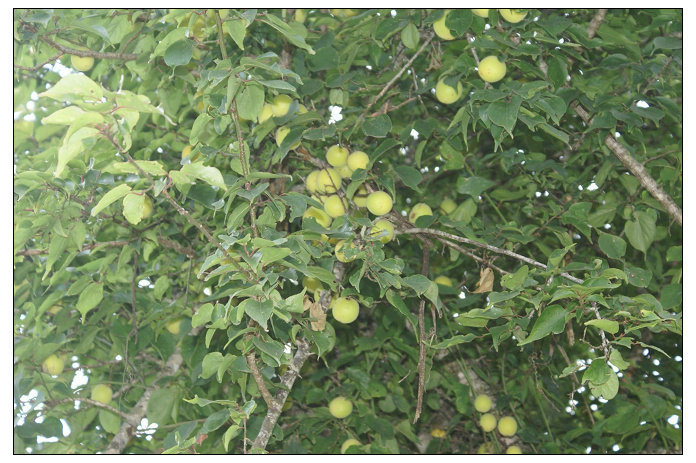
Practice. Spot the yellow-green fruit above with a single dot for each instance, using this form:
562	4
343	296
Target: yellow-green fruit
446	94
53	365
340	407
507	426
312	284
148	207
383	225
280	105
320	216
487	422
348	13
300	15
491	69
444	281
198	29
358	160
337	156
82	63
344	171
441	28
281	133
485	449
302	109
335	206
419	210
360	197
328	181
438	433
513	450
379	203
311	181
345	310
287	405
266	112
482	12
174	326
54	309
483	403
186	151
447	206
102	393
349	443
340	255
512	16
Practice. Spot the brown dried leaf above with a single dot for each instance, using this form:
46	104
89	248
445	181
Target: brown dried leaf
316	312
485	283
306	302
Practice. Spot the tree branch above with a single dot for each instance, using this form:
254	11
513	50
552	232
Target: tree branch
251	361
37	252
421	338
596	22
96	403
89	53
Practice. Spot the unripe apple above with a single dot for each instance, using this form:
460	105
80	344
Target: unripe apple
419	210
174	326
266	112
446	94
311	181
54	309
337	156
360	196
513	450
312	284
349	443
441	28
335	206
482	12
483	403
447	206
444	281
491	69
320	216
53	365
345	310
148	207
281	133
302	108
328	181
358	160
349	13
383	225
379	203
487	422
512	16
340	255
102	393
438	433
507	426
82	63
300	15
344	171
280	105
486	449
340	407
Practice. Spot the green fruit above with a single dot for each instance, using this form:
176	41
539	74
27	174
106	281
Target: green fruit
174	326
447	206
446	94
338	250
512	16
54	309
444	281
360	196
82	63
53	365
487	422
491	69
148	207
349	443
340	407
383	225
337	156
280	105
320	216
328	181
311	181
358	160
312	284
419	210
300	15
335	206
507	426
102	393
483	403
379	203
344	171
345	310
482	12
281	133
513	450
441	28
266	112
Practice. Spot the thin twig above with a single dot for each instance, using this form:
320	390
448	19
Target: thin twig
37	252
421	338
251	361
95	403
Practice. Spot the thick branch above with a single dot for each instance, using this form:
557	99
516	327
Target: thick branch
596	22
90	53
636	169
96	403
251	361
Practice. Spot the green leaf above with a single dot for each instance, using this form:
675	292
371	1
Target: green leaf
516	280
90	298
236	29
134	207
113	195
613	246
597	373
672	296
454	340
250	100
555	132
202	315
608	389
287	31
617	360
210	175
674	254
259	311
419	283
179	53
110	421
551	320
558	71
160	405
198	125
638	276
74	87
459	20
504	112
377	127
473	186
609	326
641	231
410	36
214	421
73	146
410	176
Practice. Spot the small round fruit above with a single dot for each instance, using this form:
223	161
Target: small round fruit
441	28
383	225
174	326
379	203
444	281
447	206
438	433
186	151
300	15
340	407
53	365
82	63
266	112
344	171
482	12
446	94
486	449
312	284
102	393
148	207
358	160
54	309
349	443
491	69
337	156
311	181
340	255
419	210
360	196
507	426
483	403
513	450
328	181
345	310
283	132
280	105
512	16
487	422
335	206
320	216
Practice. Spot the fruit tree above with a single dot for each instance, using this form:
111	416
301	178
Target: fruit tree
225	219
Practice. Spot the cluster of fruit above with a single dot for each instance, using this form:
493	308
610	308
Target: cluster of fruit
507	426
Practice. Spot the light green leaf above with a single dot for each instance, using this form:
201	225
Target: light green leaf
551	320
210	175
90	298
113	195
74	87
237	30
609	326
641	231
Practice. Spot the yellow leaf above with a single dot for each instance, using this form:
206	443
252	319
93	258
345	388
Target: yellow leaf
317	313
485	283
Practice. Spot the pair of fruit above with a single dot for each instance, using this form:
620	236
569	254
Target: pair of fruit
510	15
490	69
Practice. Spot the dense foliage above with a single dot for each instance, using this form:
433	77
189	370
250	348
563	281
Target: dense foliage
167	243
